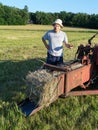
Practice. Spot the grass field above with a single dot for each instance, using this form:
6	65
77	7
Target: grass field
21	50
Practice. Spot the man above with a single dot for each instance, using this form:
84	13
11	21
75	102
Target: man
55	39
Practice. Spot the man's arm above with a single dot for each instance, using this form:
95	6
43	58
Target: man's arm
66	42
68	45
45	43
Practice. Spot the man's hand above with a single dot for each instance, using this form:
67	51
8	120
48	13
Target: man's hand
69	46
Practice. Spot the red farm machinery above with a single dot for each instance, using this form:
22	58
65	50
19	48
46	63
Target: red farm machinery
78	77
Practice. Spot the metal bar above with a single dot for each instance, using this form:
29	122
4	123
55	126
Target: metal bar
53	67
83	92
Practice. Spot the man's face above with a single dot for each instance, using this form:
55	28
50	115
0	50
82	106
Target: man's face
57	27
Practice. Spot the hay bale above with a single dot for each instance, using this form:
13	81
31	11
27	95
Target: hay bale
42	86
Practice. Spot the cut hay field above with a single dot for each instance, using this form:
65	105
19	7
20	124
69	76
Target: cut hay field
21	51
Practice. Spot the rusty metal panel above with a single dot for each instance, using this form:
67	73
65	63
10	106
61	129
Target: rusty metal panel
86	73
60	86
73	79
77	77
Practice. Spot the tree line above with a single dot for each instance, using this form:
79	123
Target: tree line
16	16
69	19
13	16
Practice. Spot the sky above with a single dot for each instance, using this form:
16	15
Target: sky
74	6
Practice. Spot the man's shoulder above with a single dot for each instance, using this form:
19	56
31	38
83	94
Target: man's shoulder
50	31
63	33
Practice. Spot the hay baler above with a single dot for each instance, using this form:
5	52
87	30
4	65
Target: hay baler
76	78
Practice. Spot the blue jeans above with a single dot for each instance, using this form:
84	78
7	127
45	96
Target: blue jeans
54	60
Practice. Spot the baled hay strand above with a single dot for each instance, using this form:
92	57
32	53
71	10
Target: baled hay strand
42	86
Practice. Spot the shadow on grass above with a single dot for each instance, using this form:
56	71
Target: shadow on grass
12	78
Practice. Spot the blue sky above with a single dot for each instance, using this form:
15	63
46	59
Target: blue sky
74	6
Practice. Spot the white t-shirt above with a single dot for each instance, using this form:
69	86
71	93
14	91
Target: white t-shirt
55	41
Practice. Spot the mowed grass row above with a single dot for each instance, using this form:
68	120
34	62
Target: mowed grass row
21	51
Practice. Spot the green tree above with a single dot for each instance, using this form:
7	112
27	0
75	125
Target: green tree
13	16
1	14
93	22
